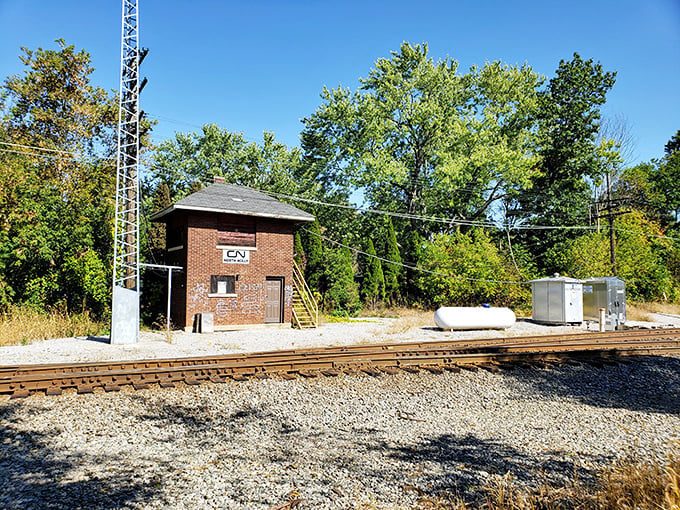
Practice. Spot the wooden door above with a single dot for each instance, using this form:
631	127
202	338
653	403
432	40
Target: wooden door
273	295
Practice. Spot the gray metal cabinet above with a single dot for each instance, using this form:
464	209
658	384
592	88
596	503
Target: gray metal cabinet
557	300
607	292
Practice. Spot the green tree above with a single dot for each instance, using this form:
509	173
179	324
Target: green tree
314	269
393	272
467	269
217	152
644	258
56	207
373	282
342	295
154	295
420	138
667	176
298	251
568	120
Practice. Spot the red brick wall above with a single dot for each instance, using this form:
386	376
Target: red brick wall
273	257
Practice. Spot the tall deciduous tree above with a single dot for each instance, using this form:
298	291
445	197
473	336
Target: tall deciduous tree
568	115
420	138
667	177
56	207
217	152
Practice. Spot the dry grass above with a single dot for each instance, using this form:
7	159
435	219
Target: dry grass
629	484
407	319
22	325
639	311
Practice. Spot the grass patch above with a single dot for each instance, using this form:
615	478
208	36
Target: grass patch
326	319
628	484
21	325
406	319
641	311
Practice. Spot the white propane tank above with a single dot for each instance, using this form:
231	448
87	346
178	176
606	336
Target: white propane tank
474	317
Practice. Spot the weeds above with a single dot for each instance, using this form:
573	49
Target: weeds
628	484
409	319
21	325
639	311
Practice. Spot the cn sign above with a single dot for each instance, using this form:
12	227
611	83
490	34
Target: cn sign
236	256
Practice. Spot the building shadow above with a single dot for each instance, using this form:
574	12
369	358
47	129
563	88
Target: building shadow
99	339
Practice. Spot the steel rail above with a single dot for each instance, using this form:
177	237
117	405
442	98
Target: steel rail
20	381
567	340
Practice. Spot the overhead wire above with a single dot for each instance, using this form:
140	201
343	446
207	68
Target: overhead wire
38	148
50	156
447	221
412	267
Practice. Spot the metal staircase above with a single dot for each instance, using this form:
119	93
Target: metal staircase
305	307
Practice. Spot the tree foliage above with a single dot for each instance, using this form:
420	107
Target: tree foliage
56	205
214	151
393	272
314	254
466	269
373	282
342	293
420	138
568	122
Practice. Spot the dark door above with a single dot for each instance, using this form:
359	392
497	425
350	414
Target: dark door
273	294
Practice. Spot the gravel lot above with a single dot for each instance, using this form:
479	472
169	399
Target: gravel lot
336	443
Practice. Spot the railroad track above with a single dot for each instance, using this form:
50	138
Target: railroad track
453	355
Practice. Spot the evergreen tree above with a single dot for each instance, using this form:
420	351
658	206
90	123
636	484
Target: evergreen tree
342	296
373	283
393	272
298	251
315	258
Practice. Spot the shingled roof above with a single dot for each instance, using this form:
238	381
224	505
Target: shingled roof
233	199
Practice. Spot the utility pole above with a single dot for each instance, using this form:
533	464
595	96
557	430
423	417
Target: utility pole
125	300
610	214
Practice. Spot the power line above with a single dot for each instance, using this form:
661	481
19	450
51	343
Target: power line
414	268
448	221
50	156
38	148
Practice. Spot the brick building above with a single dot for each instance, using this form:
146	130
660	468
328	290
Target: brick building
236	247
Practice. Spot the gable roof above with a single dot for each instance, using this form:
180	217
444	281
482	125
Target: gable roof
233	199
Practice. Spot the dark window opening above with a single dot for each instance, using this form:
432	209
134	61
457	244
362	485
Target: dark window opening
222	284
176	236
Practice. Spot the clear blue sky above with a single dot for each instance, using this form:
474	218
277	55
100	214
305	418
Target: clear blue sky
260	65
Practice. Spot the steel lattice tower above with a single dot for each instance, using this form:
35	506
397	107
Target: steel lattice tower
125	305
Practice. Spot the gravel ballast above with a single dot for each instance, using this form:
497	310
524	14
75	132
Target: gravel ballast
352	441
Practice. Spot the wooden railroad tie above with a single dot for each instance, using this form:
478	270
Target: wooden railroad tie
435	357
